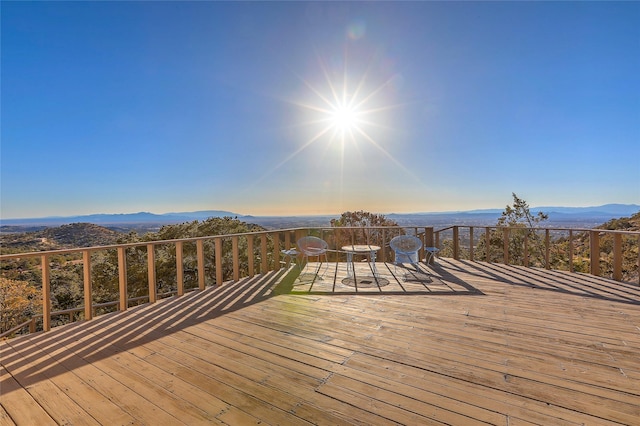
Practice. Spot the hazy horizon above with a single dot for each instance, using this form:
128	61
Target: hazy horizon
336	214
310	108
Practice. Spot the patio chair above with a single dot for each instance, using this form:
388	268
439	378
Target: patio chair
313	247
406	249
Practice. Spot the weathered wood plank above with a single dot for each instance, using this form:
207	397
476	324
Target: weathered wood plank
509	405
19	406
63	408
5	418
481	344
153	384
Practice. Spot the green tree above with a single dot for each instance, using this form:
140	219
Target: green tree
19	301
364	228
521	225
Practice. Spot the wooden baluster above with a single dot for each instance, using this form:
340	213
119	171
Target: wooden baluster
638	263
250	255
236	258
570	251
526	248
46	293
505	245
151	273
264	267
218	257
594	252
122	278
471	243
487	243
276	250
547	247
88	297
456	243
179	268
201	265
617	257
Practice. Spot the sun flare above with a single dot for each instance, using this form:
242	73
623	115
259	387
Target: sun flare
344	118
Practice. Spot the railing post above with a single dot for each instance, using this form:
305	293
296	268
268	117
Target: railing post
638	264
526	249
46	293
384	245
276	250
218	257
88	297
236	258
456	243
471	243
594	252
617	257
505	245
264	266
547	247
487	243
430	239
570	250
122	278
151	273
416	232
200	257
179	268
250	258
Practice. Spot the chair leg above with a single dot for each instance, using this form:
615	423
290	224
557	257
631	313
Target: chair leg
318	268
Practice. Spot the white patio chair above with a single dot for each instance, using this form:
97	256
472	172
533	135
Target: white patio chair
313	247
406	248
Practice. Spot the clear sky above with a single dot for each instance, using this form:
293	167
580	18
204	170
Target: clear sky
284	108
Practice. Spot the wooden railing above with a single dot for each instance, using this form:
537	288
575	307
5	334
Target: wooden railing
263	253
486	238
230	257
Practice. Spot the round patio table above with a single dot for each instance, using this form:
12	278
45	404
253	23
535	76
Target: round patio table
365	249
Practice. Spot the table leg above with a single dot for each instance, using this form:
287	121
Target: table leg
350	271
373	264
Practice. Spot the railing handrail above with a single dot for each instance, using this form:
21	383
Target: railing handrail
138	243
187	239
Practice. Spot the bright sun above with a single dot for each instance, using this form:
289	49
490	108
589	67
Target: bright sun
344	118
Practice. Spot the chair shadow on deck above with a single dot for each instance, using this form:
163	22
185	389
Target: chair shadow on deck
573	283
432	280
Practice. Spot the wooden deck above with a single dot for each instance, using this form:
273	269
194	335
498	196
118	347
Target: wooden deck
475	343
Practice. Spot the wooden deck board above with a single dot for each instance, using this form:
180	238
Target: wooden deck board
475	343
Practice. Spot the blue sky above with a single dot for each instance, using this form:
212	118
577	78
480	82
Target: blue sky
283	108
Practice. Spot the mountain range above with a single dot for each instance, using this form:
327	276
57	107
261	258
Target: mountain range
596	214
